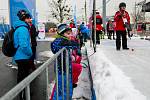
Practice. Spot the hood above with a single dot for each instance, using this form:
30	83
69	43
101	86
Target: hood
20	23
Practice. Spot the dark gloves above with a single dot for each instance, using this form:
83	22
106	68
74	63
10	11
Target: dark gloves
119	16
79	52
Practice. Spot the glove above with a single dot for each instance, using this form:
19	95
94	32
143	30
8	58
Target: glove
79	52
119	16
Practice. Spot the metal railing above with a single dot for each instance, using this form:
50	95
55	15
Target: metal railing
25	84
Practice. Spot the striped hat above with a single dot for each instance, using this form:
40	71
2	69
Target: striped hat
62	28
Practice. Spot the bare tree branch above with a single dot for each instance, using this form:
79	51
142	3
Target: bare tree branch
59	9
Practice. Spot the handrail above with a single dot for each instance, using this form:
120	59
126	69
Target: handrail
26	82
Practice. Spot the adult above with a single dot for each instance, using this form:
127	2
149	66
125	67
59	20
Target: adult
33	34
99	28
110	29
122	20
23	45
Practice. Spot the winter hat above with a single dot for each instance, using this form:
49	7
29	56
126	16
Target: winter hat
28	16
22	14
122	4
62	28
97	12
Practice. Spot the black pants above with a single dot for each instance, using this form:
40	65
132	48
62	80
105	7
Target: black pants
34	52
110	33
97	37
120	34
80	35
24	68
85	37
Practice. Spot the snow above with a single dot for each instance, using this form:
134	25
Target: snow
46	39
110	83
46	54
83	90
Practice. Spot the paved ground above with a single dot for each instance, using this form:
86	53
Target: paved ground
8	75
135	63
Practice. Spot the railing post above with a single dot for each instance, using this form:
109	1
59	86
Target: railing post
67	75
62	74
56	69
27	92
47	82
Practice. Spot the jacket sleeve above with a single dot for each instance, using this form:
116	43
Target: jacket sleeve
24	41
117	17
128	18
58	44
69	44
33	31
107	27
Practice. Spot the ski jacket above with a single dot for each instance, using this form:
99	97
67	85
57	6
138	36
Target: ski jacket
22	41
119	19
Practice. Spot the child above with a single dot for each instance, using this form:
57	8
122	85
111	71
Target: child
62	40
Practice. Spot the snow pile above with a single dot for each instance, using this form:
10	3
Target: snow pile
110	83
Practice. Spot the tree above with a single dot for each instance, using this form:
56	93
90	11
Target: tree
59	9
137	15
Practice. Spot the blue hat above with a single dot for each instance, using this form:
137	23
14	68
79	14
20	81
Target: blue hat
62	28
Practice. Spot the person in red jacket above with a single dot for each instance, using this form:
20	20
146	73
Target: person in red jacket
122	19
99	28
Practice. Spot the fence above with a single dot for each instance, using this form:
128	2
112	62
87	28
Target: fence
25	84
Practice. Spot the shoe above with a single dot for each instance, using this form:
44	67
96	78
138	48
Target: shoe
117	49
125	48
74	85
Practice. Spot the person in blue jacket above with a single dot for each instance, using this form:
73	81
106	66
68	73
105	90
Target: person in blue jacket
22	43
63	40
84	31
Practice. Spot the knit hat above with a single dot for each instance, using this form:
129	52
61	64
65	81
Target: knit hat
28	16
62	28
122	4
22	14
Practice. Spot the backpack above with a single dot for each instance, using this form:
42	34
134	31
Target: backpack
8	48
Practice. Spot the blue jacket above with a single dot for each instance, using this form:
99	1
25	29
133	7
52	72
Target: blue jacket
22	41
83	28
57	45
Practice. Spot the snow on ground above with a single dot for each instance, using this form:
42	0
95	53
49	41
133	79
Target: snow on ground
46	39
83	89
110	83
46	54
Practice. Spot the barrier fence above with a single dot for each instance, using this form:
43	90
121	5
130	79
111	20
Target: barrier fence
25	84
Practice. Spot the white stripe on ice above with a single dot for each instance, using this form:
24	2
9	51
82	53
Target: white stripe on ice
110	83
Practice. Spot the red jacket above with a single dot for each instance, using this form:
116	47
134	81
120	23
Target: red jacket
119	20
98	22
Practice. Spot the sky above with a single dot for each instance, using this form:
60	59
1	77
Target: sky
43	9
